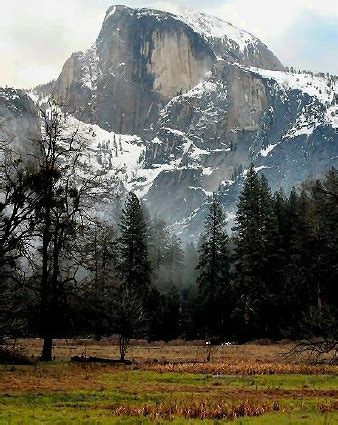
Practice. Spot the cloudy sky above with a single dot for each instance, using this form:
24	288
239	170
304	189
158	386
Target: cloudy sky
37	36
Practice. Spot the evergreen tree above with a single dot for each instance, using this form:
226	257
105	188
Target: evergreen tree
192	326
285	211
174	262
171	315
166	324
189	301
190	271
134	267
159	243
213	267
132	299
302	271
273	263
249	252
259	257
318	258
324	195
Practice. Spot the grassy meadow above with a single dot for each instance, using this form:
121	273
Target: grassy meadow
167	383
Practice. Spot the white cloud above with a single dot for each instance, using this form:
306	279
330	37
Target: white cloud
270	19
37	36
279	24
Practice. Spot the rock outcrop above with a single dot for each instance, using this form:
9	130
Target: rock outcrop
143	58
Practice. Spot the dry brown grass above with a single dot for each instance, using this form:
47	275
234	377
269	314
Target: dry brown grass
177	351
44	378
145	391
198	410
65	377
328	406
242	367
248	359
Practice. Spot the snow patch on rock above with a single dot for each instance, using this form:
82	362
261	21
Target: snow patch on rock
267	150
209	27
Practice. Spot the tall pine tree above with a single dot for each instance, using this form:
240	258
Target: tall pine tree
249	251
273	263
213	278
324	196
134	267
259	259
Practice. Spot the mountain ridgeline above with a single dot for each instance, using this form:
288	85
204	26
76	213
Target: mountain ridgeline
175	105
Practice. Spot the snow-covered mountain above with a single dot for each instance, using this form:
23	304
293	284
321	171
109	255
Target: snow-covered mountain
143	57
201	100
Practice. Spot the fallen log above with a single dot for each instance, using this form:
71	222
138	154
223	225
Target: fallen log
93	359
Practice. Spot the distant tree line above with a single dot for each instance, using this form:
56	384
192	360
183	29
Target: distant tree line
65	273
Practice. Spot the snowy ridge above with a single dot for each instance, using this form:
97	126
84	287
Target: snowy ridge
267	150
202	139
188	158
209	27
111	11
9	94
201	88
332	116
315	86
206	89
323	89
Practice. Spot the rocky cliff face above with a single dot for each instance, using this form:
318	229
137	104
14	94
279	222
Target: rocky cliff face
205	100
142	58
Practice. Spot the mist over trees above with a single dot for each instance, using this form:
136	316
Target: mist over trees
67	273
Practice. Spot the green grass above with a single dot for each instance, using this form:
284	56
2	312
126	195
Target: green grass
318	382
78	399
50	404
286	382
303	418
150	377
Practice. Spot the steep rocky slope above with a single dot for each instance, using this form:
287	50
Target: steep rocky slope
18	119
284	123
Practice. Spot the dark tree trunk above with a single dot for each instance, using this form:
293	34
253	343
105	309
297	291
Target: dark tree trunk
46	355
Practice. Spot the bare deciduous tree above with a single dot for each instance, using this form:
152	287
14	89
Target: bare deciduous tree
63	197
129	319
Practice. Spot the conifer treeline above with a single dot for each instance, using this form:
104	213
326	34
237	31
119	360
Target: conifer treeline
283	263
274	277
283	272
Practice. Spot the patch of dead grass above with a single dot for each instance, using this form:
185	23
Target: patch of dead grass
242	367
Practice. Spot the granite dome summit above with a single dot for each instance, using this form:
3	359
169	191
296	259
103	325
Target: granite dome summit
144	57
